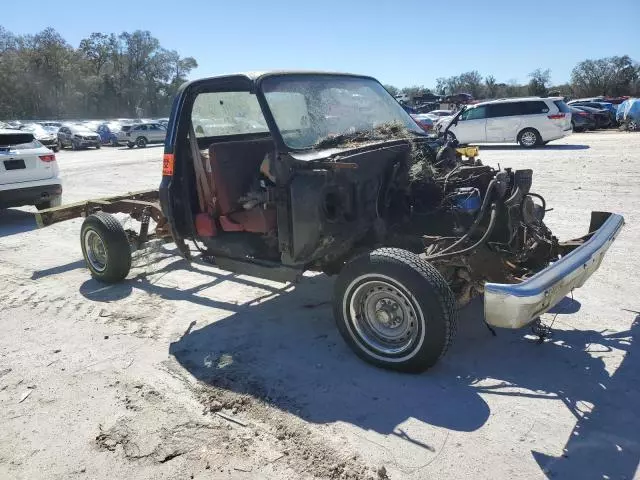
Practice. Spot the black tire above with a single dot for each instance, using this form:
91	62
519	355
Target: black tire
98	146
74	145
114	241
529	138
114	142
141	142
426	302
55	149
131	145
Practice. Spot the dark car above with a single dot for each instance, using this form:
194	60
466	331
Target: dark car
609	107
601	116
77	137
582	120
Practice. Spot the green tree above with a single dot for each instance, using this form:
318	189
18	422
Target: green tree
415	91
491	86
108	75
392	90
539	81
605	76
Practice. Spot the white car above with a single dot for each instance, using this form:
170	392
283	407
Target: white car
28	172
441	113
529	121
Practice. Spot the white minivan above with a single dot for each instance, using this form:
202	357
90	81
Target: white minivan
529	121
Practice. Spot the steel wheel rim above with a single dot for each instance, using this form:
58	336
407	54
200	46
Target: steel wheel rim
96	251
141	142
384	317
529	138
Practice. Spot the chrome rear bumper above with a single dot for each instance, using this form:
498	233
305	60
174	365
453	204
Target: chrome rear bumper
515	305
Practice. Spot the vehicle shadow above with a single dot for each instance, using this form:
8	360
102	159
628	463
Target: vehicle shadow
37	274
604	442
14	221
153	145
287	352
541	147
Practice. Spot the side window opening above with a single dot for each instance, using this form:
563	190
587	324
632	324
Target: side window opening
476	113
227	113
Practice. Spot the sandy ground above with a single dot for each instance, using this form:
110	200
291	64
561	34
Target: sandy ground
191	372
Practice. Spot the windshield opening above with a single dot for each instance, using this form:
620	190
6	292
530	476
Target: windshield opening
315	111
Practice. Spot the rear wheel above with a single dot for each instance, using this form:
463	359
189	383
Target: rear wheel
529	138
395	310
141	142
114	142
105	247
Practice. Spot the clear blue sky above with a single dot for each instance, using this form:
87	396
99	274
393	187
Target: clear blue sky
402	43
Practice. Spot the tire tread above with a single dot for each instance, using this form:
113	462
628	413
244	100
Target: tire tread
116	243
436	283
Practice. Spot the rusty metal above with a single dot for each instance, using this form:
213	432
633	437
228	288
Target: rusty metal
127	203
141	206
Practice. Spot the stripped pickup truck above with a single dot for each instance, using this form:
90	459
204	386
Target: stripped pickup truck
272	174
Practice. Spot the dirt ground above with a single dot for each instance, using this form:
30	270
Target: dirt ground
185	371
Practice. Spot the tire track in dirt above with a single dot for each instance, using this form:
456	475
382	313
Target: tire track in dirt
142	316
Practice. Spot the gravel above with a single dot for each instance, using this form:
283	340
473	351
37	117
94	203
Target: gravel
191	372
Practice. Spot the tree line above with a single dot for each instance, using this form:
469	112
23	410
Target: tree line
611	76
131	75
108	75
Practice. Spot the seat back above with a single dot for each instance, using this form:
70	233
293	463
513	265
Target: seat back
235	166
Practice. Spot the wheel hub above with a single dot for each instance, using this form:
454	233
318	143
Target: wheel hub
528	138
96	251
384	317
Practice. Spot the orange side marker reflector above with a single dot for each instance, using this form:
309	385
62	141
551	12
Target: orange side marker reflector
168	161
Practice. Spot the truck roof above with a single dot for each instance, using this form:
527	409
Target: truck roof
255	76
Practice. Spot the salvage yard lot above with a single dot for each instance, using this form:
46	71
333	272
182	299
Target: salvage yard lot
191	372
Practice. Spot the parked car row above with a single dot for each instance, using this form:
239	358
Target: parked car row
57	135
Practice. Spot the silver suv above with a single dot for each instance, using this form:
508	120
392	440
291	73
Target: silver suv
144	133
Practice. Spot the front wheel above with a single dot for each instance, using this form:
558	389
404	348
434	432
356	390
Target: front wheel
105	247
141	142
98	146
395	310
529	138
